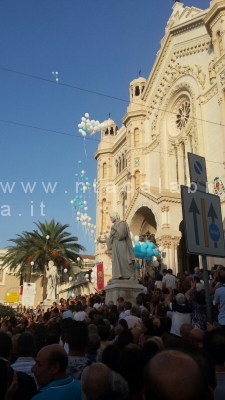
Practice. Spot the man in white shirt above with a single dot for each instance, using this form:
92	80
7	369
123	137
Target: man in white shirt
169	280
134	318
25	348
126	310
80	313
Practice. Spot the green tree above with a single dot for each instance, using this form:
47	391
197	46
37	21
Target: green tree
50	241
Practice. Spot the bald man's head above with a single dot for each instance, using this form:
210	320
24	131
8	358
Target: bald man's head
173	375
51	364
96	380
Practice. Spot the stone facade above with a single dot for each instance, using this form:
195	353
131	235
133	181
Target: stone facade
178	109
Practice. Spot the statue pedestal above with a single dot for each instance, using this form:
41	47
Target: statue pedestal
48	303
126	288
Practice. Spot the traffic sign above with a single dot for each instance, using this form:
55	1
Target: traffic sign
198	175
203	223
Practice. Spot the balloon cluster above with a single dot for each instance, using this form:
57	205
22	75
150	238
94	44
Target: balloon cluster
80	203
146	250
56	75
91	126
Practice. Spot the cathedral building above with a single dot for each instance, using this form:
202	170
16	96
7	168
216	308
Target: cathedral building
178	109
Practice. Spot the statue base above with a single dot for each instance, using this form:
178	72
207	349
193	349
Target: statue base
126	288
48	303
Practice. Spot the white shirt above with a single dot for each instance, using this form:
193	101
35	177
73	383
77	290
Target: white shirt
158	284
24	364
80	316
67	314
132	320
170	281
97	305
124	314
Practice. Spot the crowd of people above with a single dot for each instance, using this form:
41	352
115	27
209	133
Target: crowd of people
160	347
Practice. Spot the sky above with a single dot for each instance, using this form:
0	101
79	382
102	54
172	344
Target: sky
96	45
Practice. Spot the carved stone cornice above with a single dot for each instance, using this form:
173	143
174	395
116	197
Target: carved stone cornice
192	47
188	26
203	99
134	115
151	147
219	64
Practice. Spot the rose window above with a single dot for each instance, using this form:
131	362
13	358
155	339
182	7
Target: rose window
183	114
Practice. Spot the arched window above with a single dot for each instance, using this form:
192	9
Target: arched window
120	165
219	42
137	91
137	179
123	161
104	170
184	163
103	215
176	160
136	137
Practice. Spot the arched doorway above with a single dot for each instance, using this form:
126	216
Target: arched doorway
186	261
143	221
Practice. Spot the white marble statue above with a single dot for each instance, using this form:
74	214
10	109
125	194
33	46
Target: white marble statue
52	276
119	241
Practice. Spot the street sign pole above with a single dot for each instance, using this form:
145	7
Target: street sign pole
207	291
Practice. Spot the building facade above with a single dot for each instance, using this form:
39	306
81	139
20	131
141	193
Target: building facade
178	109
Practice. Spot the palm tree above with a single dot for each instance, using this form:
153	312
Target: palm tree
50	241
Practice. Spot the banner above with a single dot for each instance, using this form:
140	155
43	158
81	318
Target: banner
12	297
100	276
29	292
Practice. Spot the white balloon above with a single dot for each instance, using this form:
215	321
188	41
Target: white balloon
86	276
83	119
84	202
79	126
136	238
71	201
78	219
92	121
86	208
97	122
86	115
78	258
92	231
160	248
83	172
70	278
85	188
89	225
80	130
82	124
65	270
84	134
78	212
155	264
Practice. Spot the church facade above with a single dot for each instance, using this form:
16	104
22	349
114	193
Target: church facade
180	108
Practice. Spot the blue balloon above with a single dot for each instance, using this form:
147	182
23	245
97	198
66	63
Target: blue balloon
150	253
81	206
76	174
81	189
149	259
77	197
79	203
81	175
137	246
88	184
79	162
81	197
86	179
151	245
144	246
155	252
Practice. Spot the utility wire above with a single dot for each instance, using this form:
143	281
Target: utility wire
101	94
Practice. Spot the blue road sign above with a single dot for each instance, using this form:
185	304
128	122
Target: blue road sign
198	168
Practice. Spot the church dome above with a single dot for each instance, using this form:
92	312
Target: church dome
110	127
137	87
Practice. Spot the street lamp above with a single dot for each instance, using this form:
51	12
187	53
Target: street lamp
47	237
